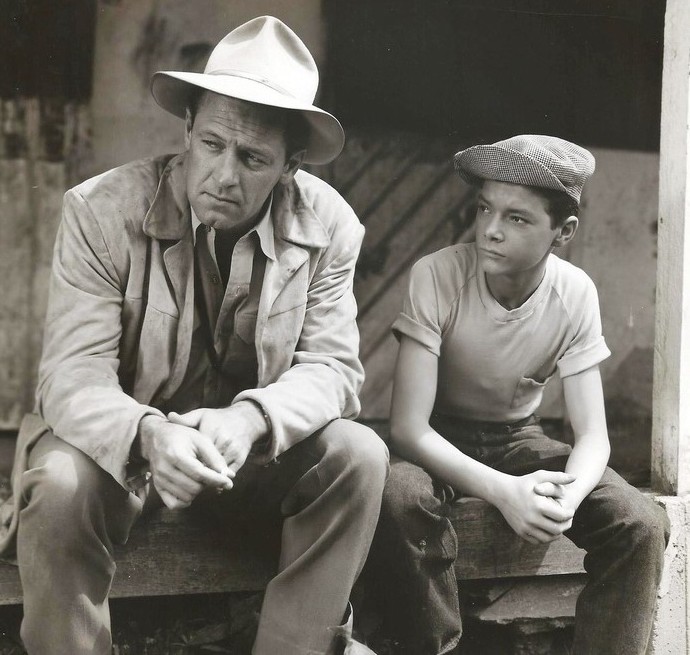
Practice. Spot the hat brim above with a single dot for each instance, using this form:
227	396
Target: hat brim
491	162
172	91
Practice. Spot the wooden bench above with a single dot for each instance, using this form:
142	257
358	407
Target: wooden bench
172	552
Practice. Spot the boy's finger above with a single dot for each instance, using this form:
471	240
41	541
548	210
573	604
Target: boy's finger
549	489
555	477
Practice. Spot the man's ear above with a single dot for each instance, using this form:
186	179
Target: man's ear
188	123
292	166
566	231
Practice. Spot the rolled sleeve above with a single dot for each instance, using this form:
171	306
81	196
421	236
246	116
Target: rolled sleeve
405	325
574	362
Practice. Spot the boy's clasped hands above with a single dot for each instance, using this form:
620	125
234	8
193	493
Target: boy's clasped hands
536	506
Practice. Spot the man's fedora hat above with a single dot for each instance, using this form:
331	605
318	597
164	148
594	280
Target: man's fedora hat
530	159
262	61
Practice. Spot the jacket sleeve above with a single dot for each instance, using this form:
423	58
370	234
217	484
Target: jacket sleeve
326	374
79	394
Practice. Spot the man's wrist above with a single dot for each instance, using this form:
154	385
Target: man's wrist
141	447
259	424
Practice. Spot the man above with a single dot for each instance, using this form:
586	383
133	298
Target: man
201	347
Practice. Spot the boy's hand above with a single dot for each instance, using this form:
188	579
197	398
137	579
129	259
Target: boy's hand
536	517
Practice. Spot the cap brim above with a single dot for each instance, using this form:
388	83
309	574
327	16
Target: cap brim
491	162
172	91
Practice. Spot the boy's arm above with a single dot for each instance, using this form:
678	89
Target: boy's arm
535	518
584	398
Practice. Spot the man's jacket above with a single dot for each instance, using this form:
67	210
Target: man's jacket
113	352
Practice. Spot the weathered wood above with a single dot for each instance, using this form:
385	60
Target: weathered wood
671	409
488	548
176	552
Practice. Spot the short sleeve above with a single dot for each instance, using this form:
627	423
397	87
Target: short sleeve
588	346
420	315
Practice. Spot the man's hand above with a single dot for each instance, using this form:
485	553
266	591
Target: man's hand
233	430
183	461
536	516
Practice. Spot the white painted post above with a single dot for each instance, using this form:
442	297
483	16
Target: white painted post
671	404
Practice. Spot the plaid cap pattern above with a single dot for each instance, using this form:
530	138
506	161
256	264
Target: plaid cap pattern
530	159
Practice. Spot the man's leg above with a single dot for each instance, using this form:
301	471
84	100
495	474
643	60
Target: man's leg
330	515
74	513
411	568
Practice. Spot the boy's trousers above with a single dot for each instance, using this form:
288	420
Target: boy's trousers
322	497
624	533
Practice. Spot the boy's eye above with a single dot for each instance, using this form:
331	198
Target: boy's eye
482	208
516	219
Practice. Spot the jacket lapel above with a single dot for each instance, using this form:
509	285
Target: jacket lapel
168	222
297	230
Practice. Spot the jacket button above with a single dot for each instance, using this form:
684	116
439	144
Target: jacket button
214	279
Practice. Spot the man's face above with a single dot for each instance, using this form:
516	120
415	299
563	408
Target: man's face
236	155
513	231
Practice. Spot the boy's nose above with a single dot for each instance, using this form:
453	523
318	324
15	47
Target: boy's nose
493	231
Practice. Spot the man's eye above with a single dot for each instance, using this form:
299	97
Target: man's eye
254	160
210	144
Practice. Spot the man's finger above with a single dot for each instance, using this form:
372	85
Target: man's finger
172	502
205	475
190	419
212	457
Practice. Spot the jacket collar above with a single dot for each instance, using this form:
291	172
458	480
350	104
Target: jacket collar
169	216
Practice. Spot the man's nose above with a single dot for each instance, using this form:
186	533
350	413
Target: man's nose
226	170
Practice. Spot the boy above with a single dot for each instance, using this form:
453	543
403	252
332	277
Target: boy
483	328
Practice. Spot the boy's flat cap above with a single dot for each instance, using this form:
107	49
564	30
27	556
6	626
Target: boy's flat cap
530	159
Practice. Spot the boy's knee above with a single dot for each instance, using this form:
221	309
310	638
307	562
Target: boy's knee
647	527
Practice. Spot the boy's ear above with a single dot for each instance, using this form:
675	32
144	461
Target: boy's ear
566	231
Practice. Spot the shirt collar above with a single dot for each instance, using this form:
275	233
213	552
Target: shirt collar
263	229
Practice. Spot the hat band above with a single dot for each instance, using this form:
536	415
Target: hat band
253	78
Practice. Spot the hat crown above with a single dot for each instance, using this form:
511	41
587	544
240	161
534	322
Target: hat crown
569	162
530	159
267	51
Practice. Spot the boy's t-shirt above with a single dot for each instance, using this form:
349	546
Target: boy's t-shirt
494	362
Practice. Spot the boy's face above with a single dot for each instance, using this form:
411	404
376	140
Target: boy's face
514	234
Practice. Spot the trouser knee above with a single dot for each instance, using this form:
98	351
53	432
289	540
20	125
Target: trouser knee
67	495
358	456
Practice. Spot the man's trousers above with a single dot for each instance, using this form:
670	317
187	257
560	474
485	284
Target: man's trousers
321	498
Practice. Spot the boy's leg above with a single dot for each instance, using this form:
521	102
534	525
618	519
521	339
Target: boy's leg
411	566
625	535
74	513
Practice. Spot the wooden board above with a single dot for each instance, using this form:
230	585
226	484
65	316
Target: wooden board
175	552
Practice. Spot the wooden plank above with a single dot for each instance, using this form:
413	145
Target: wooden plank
175	552
671	409
488	548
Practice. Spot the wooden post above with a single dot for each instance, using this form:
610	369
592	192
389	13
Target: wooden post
671	413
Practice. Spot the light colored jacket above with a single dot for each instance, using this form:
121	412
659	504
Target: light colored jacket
105	365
